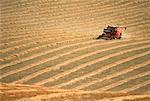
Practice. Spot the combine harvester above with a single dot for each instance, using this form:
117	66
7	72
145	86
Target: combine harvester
112	32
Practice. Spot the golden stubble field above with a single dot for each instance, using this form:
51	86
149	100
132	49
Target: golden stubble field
51	43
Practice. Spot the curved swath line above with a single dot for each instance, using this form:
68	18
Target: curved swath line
40	39
132	68
64	74
66	62
113	64
61	64
137	86
124	81
60	55
7	38
51	40
35	48
57	56
17	39
20	45
98	71
56	77
35	35
28	44
49	51
43	46
44	53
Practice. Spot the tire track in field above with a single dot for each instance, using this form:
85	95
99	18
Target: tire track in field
56	77
114	64
101	70
113	85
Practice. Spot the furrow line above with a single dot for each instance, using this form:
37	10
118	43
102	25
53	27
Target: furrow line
137	86
123	81
19	37
80	66
50	39
25	49
30	39
43	53
113	75
56	66
50	51
101	70
61	55
41	67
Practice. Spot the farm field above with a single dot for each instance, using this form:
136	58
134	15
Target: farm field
51	45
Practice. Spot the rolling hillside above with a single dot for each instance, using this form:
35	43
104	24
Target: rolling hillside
52	43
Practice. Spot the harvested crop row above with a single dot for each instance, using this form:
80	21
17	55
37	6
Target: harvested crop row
21	69
86	68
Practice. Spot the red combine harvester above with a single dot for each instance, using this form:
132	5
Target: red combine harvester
112	32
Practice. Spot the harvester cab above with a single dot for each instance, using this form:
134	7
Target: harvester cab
112	32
